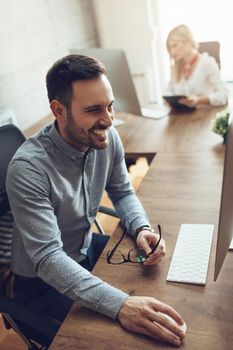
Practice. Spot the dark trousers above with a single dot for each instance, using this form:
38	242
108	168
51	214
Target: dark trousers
38	295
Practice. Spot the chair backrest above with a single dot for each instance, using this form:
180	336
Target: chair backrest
32	326
212	48
6	232
119	75
10	140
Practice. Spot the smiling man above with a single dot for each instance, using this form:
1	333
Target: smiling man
55	184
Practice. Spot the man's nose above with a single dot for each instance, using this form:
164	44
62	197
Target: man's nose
108	118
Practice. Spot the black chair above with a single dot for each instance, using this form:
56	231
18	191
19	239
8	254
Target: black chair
36	329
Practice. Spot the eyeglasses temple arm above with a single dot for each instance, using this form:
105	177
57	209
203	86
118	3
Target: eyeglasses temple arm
155	247
111	252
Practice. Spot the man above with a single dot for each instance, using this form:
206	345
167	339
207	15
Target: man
55	183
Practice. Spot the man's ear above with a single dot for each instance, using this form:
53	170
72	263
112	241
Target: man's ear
59	111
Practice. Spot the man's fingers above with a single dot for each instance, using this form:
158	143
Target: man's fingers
156	257
160	250
150	262
144	245
166	309
170	324
146	315
157	331
147	241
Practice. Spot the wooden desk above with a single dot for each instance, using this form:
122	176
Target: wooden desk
175	133
189	132
183	185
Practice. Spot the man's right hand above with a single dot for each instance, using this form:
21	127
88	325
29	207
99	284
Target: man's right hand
145	315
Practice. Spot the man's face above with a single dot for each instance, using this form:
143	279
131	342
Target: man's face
91	114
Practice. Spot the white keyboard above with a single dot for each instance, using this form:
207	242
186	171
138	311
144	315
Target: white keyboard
190	259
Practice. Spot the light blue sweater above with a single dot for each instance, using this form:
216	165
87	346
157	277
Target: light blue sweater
54	192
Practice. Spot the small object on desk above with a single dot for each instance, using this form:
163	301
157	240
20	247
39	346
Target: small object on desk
173	101
155	111
116	122
191	255
183	328
141	258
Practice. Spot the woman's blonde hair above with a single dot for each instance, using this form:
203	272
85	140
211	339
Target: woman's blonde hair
180	33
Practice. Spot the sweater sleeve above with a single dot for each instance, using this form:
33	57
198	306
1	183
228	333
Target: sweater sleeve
29	197
219	96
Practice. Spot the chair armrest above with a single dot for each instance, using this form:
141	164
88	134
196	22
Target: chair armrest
108	211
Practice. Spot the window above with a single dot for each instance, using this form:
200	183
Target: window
209	21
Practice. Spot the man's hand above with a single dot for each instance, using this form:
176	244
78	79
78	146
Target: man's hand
146	240
145	315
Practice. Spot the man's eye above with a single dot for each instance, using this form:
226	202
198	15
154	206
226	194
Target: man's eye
96	110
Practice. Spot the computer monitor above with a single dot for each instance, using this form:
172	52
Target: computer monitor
225	228
119	75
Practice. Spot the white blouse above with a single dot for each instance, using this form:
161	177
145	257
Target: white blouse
205	80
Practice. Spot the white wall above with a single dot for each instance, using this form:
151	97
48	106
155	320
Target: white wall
33	34
125	24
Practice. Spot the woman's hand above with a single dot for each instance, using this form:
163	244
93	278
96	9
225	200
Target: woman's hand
194	101
190	101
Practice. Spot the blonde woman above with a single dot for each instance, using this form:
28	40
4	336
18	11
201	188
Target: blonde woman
193	74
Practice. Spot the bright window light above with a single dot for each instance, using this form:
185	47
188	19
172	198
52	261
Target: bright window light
209	21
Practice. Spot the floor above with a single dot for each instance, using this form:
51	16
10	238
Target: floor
11	341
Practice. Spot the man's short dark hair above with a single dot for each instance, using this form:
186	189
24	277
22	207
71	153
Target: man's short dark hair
67	70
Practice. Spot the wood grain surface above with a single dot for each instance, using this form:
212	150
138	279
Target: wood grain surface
183	185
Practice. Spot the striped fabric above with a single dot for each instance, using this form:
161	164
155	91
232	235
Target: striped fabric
6	228
6	275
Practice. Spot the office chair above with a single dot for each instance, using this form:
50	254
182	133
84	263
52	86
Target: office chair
35	328
107	211
212	48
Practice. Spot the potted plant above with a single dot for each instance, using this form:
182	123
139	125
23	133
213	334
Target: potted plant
220	124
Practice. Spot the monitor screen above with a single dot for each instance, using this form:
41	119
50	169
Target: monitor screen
119	75
225	227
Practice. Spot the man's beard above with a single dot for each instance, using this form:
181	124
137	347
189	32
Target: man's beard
78	138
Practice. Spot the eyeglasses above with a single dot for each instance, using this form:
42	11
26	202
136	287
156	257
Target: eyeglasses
116	257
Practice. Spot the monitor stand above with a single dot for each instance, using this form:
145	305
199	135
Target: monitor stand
155	111
231	245
116	122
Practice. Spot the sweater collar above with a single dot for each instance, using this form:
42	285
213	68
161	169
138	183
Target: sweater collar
70	151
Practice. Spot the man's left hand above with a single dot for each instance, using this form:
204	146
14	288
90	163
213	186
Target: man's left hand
146	240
